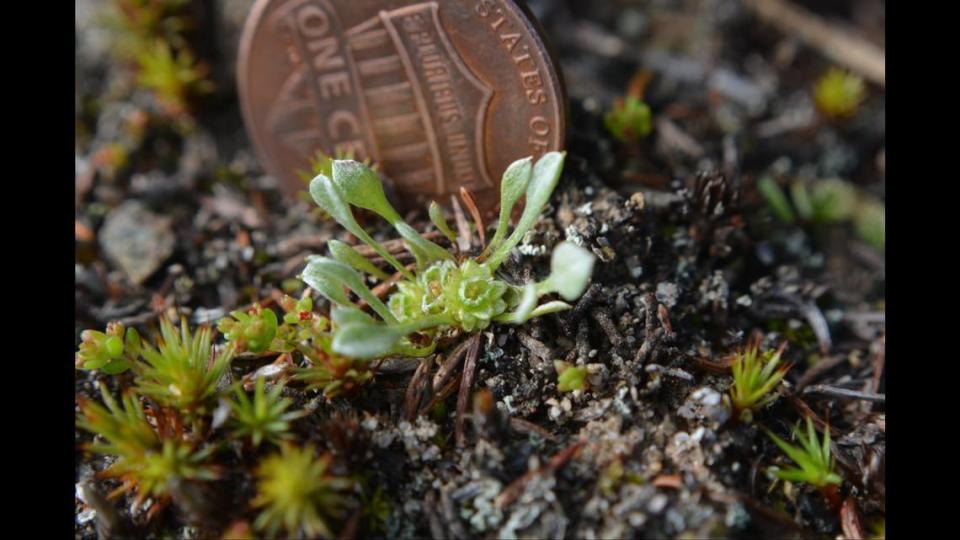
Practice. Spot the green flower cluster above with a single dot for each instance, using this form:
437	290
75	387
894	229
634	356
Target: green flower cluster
469	294
441	293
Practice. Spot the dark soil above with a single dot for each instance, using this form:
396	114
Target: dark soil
691	264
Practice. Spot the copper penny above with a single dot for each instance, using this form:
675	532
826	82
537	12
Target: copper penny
441	95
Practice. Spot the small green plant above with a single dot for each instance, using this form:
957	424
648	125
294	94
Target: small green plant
136	21
376	510
827	201
440	294
265	418
839	93
148	457
570	377
182	372
298	493
870	221
309	333
172	75
755	375
252	330
816	466
629	120
112	352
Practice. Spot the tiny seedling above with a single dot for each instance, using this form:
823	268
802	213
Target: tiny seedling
439	294
815	464
839	93
172	75
298	493
309	333
112	352
870	221
182	372
755	375
629	120
147	457
827	201
265	418
570	377
252	330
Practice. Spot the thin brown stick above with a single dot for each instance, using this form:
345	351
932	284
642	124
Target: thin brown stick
528	427
471	205
466	384
836	43
415	389
439	396
515	489
850	520
464	237
842	393
450	364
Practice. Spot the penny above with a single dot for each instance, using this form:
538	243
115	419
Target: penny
440	95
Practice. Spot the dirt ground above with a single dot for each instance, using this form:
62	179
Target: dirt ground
175	216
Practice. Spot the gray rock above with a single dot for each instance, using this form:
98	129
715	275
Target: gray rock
136	240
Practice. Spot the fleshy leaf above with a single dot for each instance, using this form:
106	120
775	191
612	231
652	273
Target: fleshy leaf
362	188
436	216
546	174
570	269
364	341
524	309
337	273
776	199
513	185
345	253
321	283
328	197
548	308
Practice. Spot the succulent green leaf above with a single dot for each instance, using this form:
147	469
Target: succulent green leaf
570	269
115	367
777	200
365	341
321	283
550	307
524	309
338	274
341	316
424	251
801	200
870	222
546	174
436	216
361	187
370	339
344	253
512	187
571	378
328	197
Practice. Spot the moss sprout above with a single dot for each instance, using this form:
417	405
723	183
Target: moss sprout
265	417
251	330
297	493
755	375
570	377
839	93
815	465
148	457
629	120
183	371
